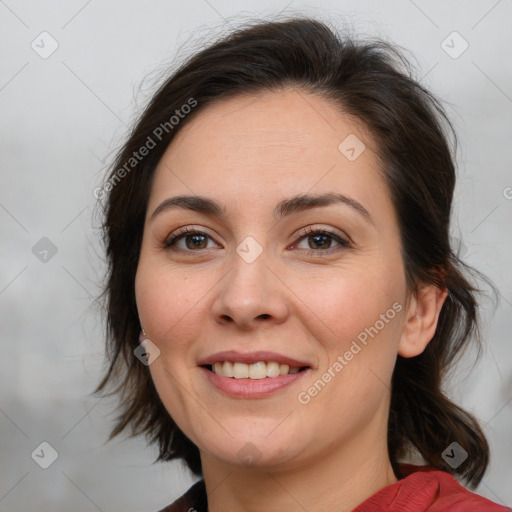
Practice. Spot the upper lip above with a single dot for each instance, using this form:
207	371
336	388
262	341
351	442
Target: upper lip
251	358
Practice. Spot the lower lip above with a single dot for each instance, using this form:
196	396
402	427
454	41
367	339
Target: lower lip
251	388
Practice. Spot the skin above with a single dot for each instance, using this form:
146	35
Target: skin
299	298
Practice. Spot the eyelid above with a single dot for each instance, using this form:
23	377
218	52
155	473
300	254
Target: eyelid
340	237
343	240
183	232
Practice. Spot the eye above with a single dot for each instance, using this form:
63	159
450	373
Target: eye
320	240
192	240
317	240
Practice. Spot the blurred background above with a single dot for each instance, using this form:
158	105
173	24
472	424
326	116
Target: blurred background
73	76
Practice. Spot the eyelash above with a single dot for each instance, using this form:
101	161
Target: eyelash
304	234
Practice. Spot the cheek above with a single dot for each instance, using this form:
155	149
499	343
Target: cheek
348	301
357	321
170	305
358	336
169	302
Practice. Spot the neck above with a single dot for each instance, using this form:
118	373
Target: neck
339	479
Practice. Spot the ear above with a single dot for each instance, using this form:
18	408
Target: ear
421	320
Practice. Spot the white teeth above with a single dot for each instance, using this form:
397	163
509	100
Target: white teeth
273	369
228	369
241	371
283	369
259	370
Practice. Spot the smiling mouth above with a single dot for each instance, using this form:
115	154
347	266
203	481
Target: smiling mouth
256	371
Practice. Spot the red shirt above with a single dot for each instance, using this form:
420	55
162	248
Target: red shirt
423	489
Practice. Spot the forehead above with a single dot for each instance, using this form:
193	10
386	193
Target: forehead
270	145
289	123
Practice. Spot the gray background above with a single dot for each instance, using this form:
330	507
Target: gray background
61	119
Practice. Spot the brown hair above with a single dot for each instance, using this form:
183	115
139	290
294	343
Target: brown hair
372	81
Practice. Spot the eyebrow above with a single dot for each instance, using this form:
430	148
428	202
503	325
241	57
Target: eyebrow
284	208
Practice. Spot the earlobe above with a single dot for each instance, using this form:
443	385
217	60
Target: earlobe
421	320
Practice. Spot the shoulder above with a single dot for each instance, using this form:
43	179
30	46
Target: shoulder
427	489
194	500
422	489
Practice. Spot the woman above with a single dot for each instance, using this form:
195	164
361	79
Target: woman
277	231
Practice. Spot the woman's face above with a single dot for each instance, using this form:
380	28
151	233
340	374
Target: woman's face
264	277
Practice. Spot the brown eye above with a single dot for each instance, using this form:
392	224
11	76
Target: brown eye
196	241
321	241
188	240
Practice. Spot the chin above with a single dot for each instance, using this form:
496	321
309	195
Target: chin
254	456
254	443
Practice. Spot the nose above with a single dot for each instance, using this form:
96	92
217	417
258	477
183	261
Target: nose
251	295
